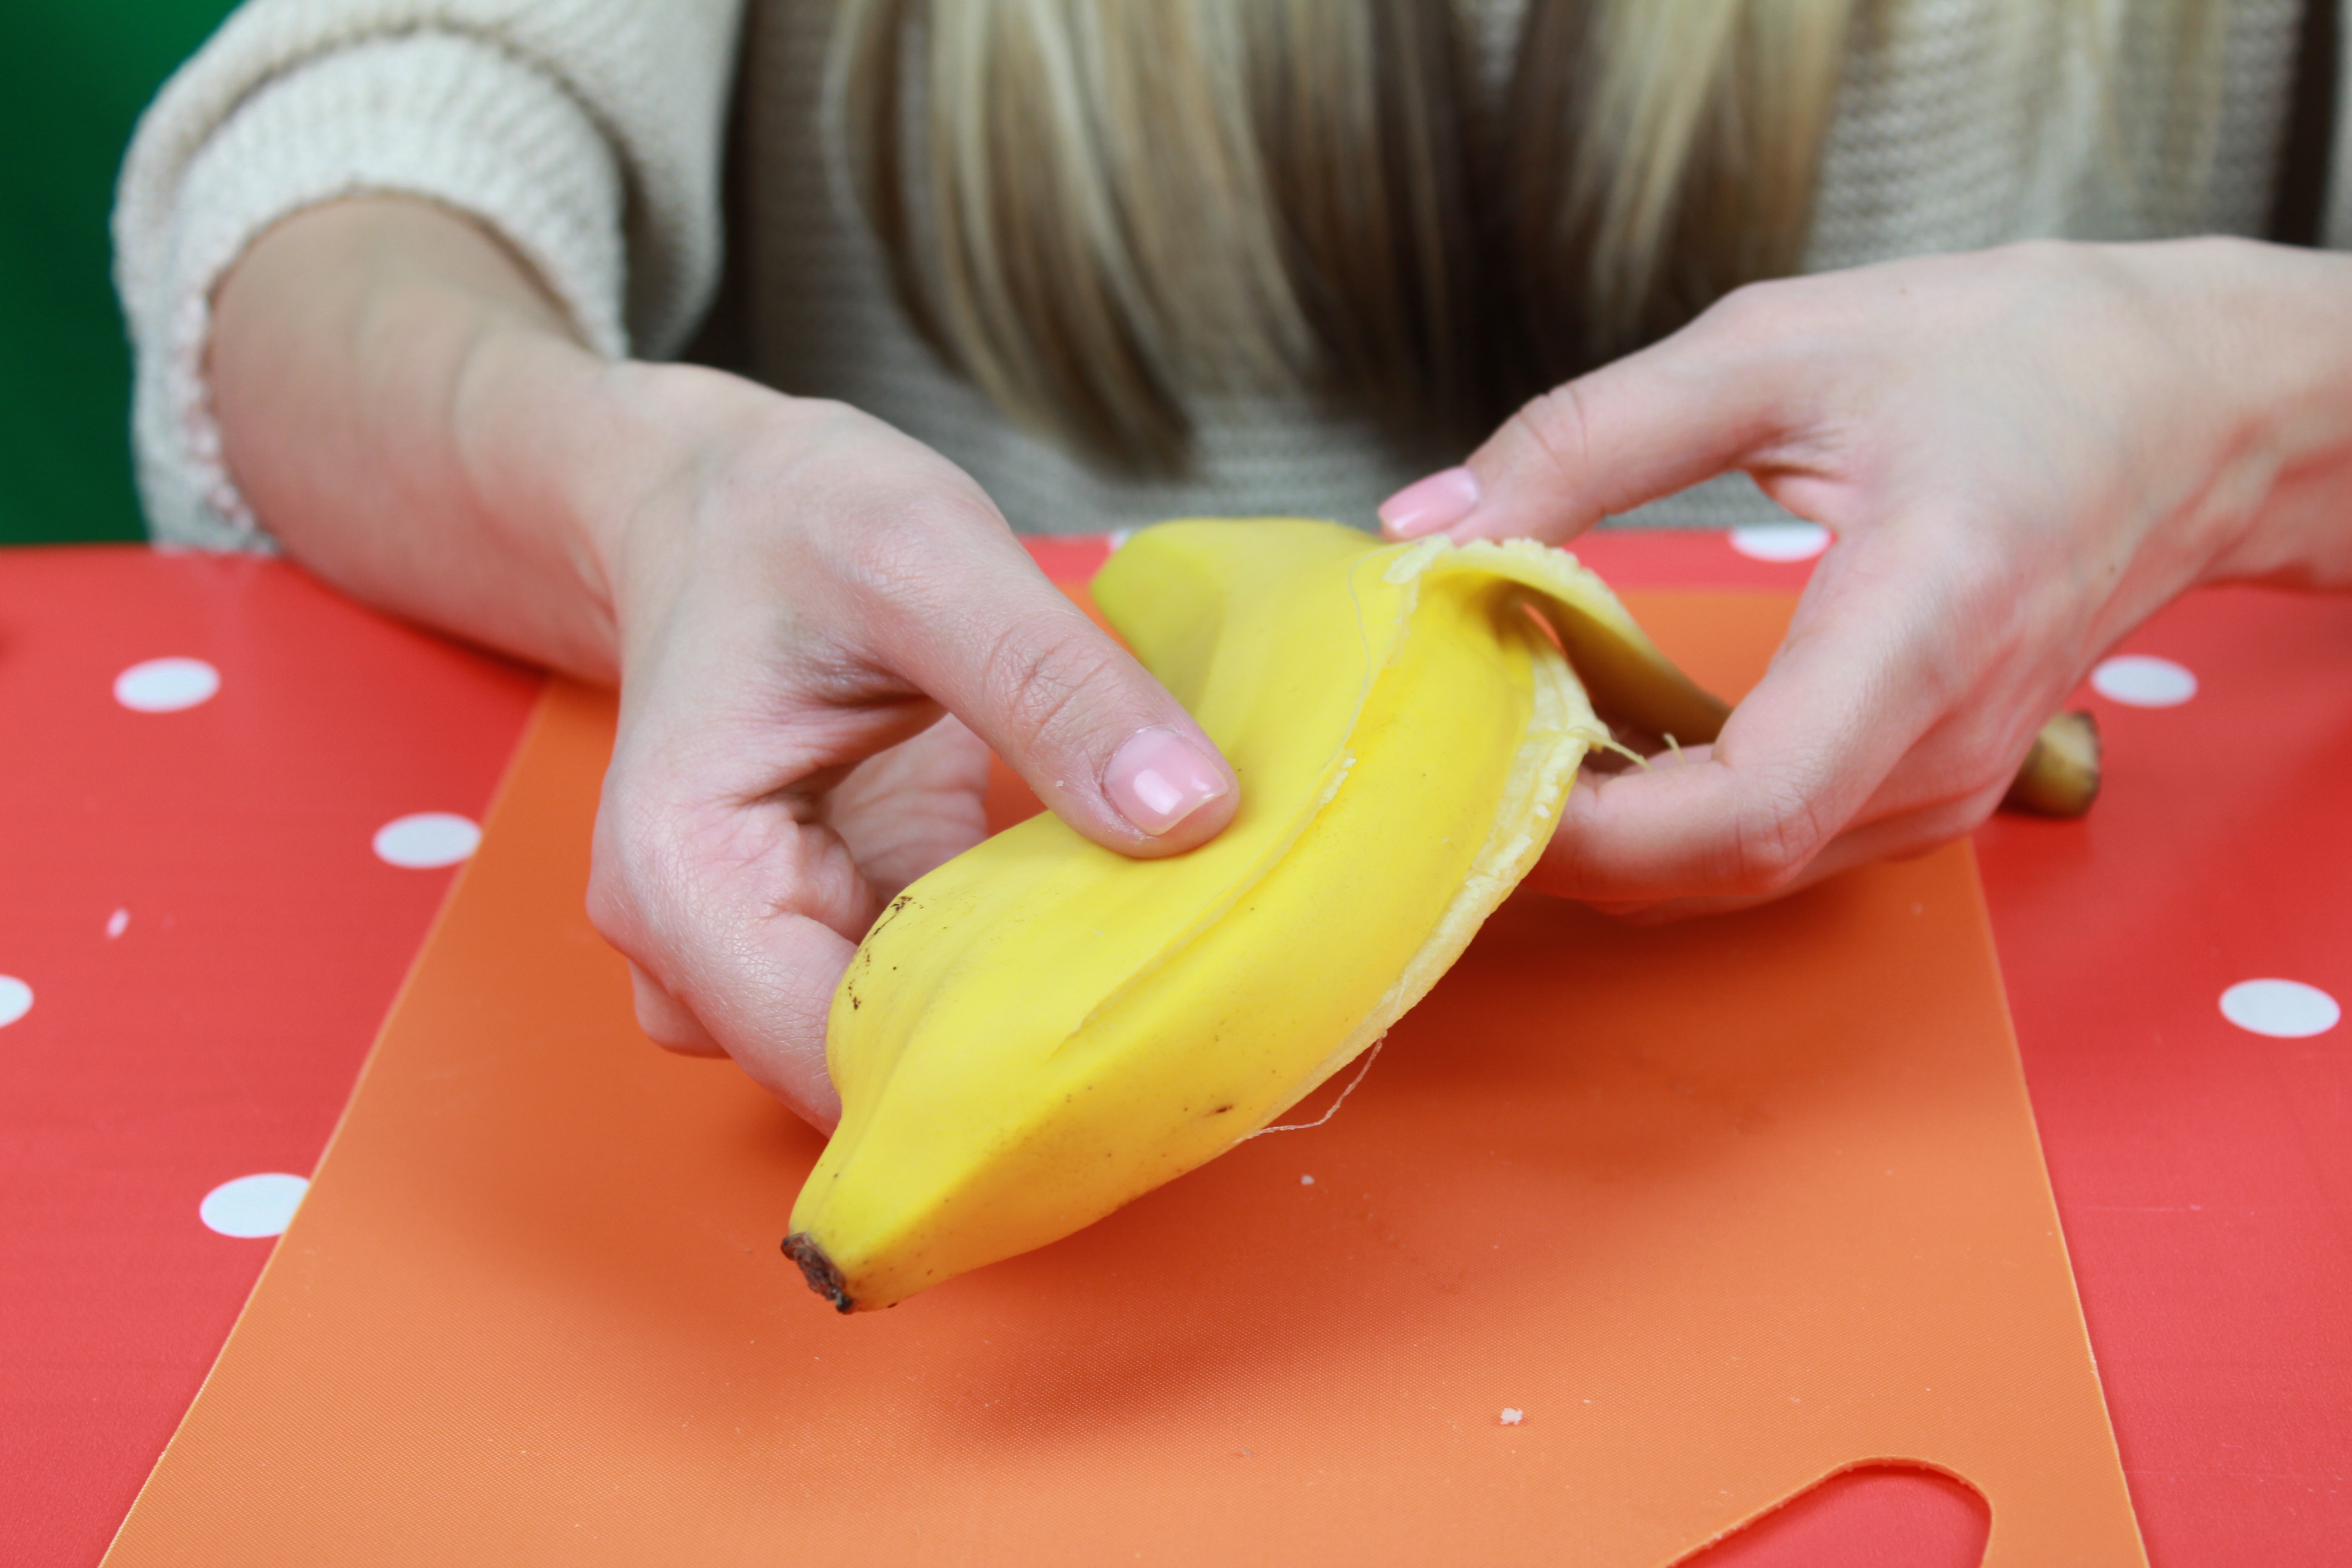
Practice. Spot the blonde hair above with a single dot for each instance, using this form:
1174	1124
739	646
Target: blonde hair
1664	153
1097	209
1092	206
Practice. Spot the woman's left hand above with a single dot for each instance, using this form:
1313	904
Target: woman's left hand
2021	454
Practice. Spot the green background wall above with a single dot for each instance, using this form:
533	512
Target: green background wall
74	75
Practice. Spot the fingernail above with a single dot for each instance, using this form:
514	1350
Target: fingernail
1430	505
1160	778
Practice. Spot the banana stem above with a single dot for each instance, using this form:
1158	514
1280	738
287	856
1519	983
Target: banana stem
2060	774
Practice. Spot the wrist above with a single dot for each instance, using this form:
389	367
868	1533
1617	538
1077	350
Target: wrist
394	390
644	459
2280	322
539	437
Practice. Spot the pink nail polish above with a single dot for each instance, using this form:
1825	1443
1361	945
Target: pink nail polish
1160	778
1431	505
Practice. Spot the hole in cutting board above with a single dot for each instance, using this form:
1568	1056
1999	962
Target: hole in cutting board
1877	1516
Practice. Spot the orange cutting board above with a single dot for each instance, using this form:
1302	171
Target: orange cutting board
1719	1210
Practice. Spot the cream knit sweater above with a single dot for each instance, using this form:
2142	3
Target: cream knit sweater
589	134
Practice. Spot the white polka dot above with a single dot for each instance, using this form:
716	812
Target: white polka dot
428	839
166	685
16	999
252	1205
1511	1416
116	923
1781	541
2141	680
2282	1009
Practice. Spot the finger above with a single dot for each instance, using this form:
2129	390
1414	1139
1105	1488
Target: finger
667	1021
1858	681
1707	399
740	922
1901	838
909	810
971	621
765	995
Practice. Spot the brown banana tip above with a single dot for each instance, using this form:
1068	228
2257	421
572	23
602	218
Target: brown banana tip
818	1270
2061	775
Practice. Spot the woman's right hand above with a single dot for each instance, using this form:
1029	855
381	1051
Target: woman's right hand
821	622
818	624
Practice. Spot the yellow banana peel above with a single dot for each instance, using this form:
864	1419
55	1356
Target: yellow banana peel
1043	1030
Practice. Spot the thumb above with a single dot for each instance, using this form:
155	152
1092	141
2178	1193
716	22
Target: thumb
1683	410
1088	729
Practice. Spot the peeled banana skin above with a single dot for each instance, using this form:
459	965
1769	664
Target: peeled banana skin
1043	1030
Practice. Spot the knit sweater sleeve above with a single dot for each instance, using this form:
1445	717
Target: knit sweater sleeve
586	133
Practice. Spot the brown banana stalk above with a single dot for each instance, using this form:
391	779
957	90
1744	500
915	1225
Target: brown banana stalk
2061	775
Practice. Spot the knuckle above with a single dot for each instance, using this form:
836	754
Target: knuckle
881	561
1774	840
1040	685
609	910
616	903
660	1019
871	510
636	871
912	531
896	550
1750	313
1556	427
751	462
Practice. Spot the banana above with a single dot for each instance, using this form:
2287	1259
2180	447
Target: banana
1043	1030
2060	774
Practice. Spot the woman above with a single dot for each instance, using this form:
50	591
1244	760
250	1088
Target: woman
1096	261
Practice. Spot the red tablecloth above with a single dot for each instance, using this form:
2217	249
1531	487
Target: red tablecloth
204	936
